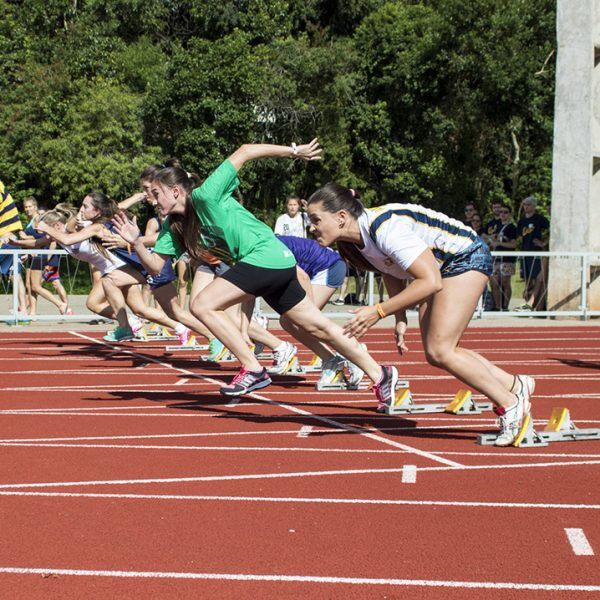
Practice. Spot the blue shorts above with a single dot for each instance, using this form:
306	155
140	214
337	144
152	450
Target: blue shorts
167	275
332	277
476	257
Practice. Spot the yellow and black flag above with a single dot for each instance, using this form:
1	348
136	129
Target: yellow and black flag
9	215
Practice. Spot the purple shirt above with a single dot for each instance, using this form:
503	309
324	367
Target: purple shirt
310	255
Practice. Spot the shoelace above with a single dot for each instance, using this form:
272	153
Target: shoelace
240	377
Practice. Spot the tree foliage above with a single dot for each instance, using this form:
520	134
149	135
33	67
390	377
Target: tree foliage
431	101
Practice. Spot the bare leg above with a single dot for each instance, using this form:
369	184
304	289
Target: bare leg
39	290
168	300
126	277
182	279
308	317
209	305
443	321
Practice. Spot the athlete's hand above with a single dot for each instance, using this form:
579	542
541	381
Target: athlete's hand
363	319
110	240
128	230
310	151
399	332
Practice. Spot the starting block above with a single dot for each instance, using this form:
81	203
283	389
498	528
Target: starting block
191	344
156	333
342	382
314	366
462	404
559	428
293	367
227	357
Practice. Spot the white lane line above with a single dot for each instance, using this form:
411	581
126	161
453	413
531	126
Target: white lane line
286	475
301	500
578	541
409	474
306	430
300	411
431	583
182	382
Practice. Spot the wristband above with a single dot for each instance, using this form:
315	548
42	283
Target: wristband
380	311
294	149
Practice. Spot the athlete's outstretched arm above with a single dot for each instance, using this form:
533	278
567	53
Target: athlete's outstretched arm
247	152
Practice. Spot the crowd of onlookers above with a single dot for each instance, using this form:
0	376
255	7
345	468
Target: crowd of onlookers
529	232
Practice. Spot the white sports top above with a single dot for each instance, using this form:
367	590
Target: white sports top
395	235
285	225
86	251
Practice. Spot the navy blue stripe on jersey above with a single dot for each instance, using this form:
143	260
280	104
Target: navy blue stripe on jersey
419	218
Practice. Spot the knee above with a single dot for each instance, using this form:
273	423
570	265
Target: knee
438	356
323	330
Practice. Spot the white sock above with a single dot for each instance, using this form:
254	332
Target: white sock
281	347
179	328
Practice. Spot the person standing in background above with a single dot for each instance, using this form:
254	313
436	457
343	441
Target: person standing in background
293	222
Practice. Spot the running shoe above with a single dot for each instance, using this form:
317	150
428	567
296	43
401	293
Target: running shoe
216	350
355	373
245	382
332	372
262	320
183	336
119	334
511	419
385	388
283	359
257	348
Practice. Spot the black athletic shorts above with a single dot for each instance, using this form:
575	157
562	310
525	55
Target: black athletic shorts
280	288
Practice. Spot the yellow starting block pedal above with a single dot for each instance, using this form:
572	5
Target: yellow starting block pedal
191	344
314	366
463	404
560	420
159	333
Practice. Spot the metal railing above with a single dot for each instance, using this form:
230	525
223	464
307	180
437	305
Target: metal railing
576	274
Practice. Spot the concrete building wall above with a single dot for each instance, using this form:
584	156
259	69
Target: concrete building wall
575	218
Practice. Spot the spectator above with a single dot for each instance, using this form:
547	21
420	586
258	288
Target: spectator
470	210
293	222
504	266
533	230
477	224
493	224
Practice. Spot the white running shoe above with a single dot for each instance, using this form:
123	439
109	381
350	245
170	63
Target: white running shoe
511	419
332	371
283	359
355	373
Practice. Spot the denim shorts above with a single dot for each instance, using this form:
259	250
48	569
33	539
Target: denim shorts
332	277
476	257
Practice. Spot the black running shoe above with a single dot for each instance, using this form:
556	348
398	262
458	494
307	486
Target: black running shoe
246	381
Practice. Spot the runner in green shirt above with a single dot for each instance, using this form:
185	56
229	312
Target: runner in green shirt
208	219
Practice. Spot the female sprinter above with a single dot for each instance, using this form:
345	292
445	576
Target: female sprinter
212	219
449	266
121	283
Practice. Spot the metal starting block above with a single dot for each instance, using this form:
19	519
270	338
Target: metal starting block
227	357
462	404
341	382
292	367
559	428
191	344
314	366
154	333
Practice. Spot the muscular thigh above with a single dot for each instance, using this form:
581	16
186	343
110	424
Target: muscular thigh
445	315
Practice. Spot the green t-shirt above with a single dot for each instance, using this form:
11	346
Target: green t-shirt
227	229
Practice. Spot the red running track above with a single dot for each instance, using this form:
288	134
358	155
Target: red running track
126	475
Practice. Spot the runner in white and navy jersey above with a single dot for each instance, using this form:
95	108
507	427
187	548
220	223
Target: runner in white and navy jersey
431	260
